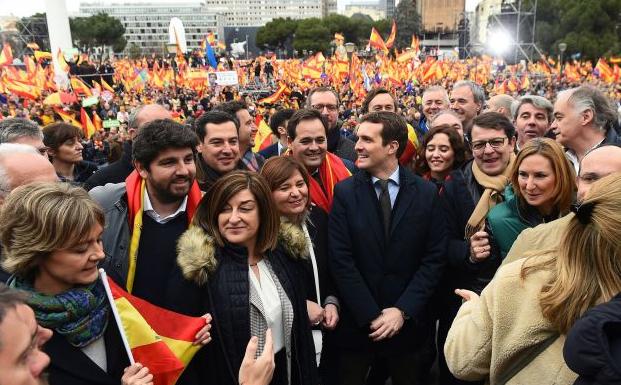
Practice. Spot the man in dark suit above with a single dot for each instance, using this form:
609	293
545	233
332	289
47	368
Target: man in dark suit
278	124
386	240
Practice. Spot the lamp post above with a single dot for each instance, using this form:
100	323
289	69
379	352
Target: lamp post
562	47
172	49
349	48
440	24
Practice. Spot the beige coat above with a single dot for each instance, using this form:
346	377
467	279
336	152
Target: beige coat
491	332
545	236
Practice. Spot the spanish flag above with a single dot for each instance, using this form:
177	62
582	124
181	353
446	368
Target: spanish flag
410	146
376	41
393	35
331	171
88	127
62	63
40	55
6	55
264	134
67	117
275	96
159	339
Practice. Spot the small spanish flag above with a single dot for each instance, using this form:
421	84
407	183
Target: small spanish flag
88	127
410	147
159	339
376	40
393	35
264	134
6	55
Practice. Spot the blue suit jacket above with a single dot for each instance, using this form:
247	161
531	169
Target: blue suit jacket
373	273
270	151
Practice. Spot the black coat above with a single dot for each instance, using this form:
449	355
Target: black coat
269	151
372	273
70	366
593	345
318	230
115	172
225	296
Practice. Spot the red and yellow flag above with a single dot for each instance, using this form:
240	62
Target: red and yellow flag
40	55
79	87
67	117
275	96
376	40
410	147
159	339
61	61
6	56
88	128
393	35
105	85
264	134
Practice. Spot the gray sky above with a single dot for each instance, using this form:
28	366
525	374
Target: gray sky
28	7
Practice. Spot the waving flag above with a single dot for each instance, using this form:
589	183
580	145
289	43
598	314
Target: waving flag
376	40
158	338
6	56
61	61
88	128
393	35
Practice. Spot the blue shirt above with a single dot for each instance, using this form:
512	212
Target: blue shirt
393	186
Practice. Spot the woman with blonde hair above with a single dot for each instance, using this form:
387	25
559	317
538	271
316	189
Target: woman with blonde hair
514	333
236	263
51	240
543	183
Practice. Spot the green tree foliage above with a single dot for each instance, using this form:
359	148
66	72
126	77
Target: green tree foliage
589	27
408	23
98	30
277	33
312	35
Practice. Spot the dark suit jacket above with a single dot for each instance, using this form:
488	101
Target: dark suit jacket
270	151
372	273
70	366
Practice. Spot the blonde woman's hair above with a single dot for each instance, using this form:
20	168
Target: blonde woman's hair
40	218
586	270
565	186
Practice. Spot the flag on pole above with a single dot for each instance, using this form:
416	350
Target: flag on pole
88	128
61	61
393	35
159	339
376	40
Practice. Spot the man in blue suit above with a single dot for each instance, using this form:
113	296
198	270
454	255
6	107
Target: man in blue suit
387	235
278	124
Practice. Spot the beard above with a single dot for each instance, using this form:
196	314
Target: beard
166	192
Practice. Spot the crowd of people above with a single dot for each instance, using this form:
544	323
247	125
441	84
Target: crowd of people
331	255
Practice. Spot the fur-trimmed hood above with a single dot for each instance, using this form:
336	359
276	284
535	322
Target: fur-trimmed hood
196	250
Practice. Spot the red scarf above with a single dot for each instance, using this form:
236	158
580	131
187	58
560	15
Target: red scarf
331	171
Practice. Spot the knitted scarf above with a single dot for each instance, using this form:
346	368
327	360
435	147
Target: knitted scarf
79	314
331	171
492	195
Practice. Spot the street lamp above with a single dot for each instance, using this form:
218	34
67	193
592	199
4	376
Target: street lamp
350	48
440	24
562	47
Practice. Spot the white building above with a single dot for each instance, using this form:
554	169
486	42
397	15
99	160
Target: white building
373	9
257	13
328	7
146	24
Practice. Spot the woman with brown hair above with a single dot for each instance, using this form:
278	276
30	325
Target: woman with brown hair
443	151
288	181
543	184
238	268
63	141
51	239
515	331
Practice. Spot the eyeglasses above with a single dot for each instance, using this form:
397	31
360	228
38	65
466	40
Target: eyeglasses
320	107
495	143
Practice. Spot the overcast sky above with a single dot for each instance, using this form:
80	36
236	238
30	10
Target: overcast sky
29	7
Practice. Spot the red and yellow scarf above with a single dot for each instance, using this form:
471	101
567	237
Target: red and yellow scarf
135	186
331	171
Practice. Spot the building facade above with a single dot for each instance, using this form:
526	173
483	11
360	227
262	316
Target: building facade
328	7
441	15
256	13
374	9
146	24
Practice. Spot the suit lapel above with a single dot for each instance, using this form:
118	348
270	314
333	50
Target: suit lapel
72	360
405	198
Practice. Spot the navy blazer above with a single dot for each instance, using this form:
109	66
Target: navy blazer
270	151
372	273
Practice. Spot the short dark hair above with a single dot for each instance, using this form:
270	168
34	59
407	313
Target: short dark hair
456	141
302	115
158	135
9	299
12	129
372	94
394	127
279	118
55	134
495	121
231	107
223	190
213	117
321	89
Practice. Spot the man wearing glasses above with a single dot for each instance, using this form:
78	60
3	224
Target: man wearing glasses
470	194
326	101
22	131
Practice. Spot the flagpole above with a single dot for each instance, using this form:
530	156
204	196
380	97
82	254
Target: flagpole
117	317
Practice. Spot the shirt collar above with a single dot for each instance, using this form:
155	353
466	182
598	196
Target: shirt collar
148	209
394	177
